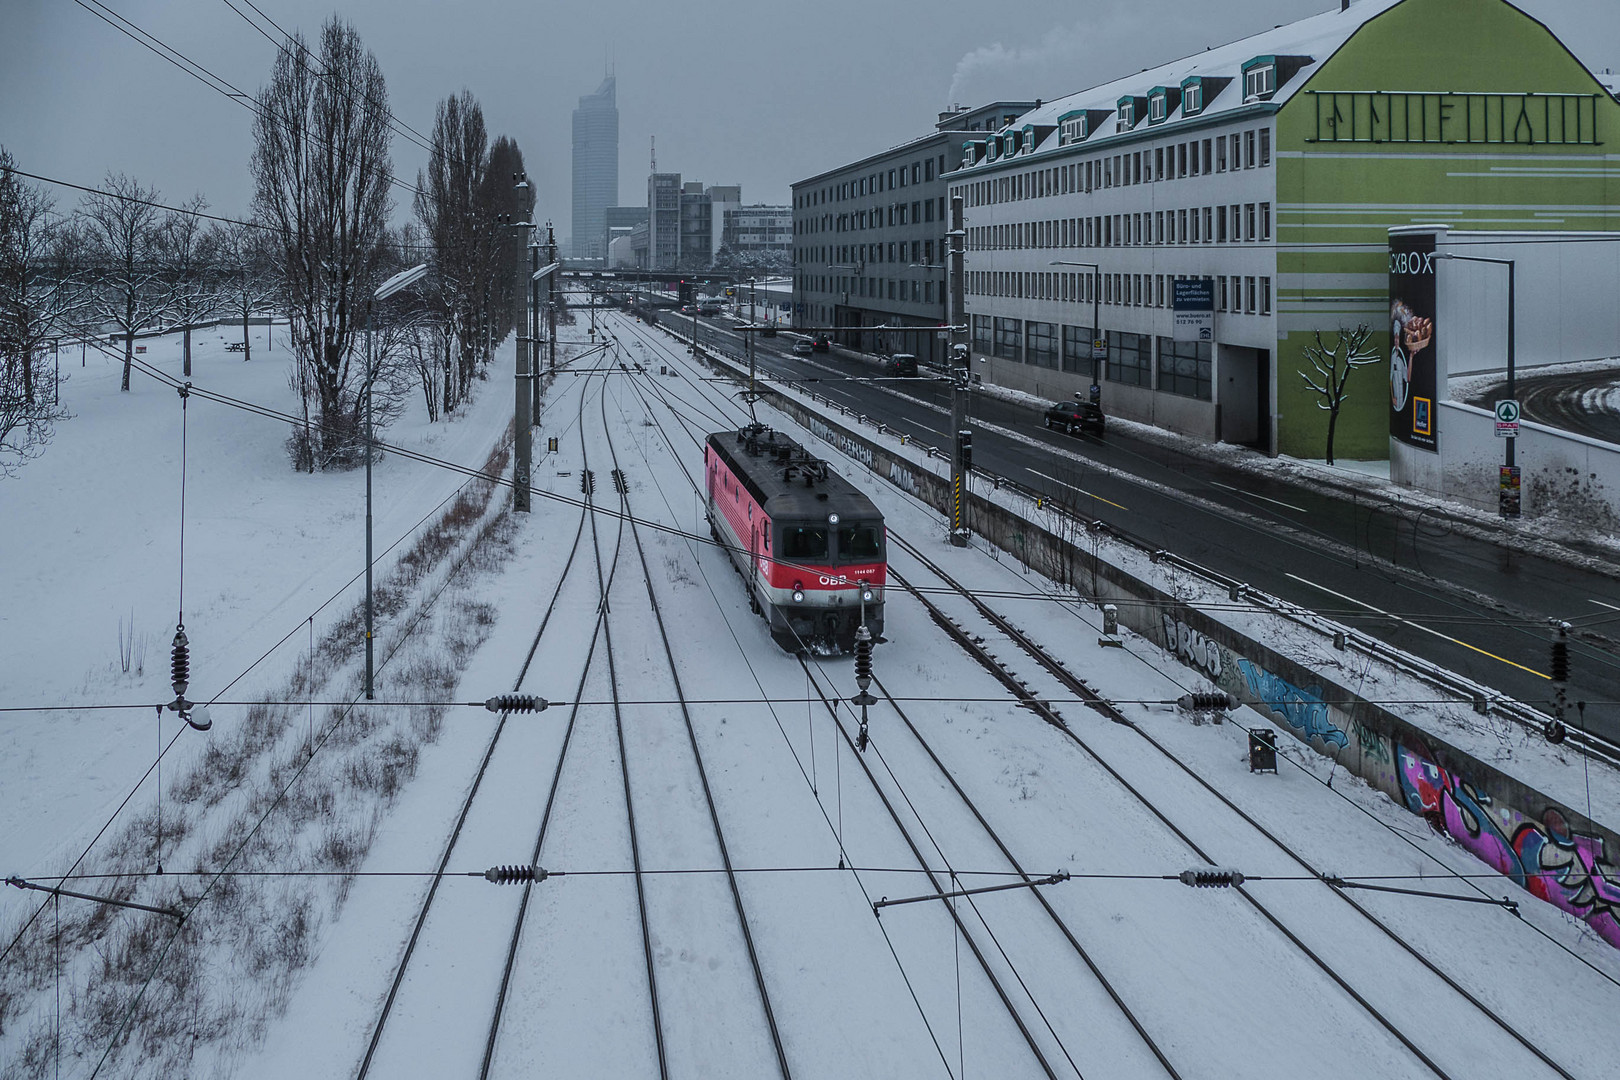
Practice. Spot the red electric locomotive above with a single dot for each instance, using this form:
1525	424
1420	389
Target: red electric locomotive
809	545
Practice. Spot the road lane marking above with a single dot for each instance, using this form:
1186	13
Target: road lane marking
1252	495
1600	603
1416	626
1071	487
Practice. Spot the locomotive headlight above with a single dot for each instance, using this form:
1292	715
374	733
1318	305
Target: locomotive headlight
798	592
866	594
832	519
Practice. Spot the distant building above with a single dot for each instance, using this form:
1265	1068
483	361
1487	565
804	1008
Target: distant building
750	232
869	237
663	221
596	168
723	199
697	228
617	219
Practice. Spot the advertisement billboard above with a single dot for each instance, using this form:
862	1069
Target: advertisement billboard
1412	337
1193	303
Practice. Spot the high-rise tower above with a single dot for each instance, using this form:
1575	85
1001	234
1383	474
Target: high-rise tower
596	167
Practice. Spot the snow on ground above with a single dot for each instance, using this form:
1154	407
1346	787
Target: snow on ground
1197	967
92	537
1218	987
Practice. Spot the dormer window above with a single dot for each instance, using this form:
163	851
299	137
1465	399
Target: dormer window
1192	98
1260	78
1127	114
1072	131
1161	102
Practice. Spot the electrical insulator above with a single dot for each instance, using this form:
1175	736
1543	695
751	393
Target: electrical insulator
1206	702
516	703
1211	879
180	662
863	657
1560	658
509	875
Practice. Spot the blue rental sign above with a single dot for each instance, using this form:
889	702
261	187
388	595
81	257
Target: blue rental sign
1193	300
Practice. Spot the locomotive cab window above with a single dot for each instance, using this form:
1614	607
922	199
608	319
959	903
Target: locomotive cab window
860	543
804	542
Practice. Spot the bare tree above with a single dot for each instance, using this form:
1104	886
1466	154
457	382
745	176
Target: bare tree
452	205
1350	350
193	269
321	170
123	230
38	295
247	278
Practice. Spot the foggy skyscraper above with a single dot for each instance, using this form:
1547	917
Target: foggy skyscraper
596	168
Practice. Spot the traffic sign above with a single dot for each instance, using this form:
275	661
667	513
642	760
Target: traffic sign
1099	348
1507	419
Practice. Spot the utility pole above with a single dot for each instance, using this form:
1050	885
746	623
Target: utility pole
961	381
551	303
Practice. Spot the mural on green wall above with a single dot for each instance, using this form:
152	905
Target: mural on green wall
1389	131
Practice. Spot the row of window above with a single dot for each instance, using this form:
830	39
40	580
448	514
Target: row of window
918	172
1197	157
1234	293
1183	367
871	288
905	251
875	217
1238	223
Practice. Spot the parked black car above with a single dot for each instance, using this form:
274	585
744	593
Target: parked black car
900	364
1076	416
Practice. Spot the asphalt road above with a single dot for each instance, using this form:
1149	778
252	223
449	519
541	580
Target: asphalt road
1583	401
1471	605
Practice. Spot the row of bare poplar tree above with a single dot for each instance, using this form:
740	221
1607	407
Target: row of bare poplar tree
313	252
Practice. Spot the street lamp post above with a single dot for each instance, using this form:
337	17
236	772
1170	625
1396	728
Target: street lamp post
1096	323
1509	264
401	280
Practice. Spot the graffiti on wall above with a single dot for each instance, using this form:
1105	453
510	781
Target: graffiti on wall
850	446
1194	648
1303	710
1546	856
902	478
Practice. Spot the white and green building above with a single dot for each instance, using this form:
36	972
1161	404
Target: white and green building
1273	167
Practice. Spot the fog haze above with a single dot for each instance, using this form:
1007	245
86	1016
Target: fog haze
752	94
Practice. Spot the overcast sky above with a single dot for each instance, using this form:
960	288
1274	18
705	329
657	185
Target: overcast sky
758	94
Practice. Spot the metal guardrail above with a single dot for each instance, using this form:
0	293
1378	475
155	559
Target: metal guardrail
1483	699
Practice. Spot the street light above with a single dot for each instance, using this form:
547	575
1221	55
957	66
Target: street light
403	279
1097	349
1508	456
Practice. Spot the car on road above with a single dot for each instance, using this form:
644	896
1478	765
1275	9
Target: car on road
822	343
900	364
1076	416
709	308
802	348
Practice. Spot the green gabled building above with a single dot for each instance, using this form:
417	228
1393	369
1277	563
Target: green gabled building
1273	167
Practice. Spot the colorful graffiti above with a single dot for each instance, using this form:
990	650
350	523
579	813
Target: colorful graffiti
1546	857
1302	710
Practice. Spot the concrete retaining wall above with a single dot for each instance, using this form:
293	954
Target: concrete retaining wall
1555	852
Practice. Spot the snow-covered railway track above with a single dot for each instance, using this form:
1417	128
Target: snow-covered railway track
412	1021
974	625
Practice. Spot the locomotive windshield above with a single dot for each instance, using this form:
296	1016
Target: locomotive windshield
803	542
860	542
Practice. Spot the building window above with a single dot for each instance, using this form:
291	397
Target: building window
1249	298
982	338
1077	350
1248	149
1181	159
1192	98
1248	221
1128	358
1041	345
1265	296
1220	301
1265	147
1184	368
1209	233
1207	162
1158	162
1265	221
1007	343
928	169
1158	108
1259	81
